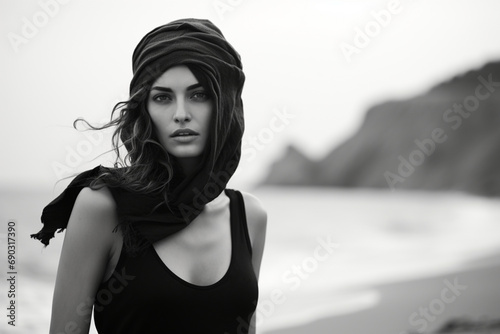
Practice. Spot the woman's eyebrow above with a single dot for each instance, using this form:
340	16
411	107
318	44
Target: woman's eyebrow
196	85
169	90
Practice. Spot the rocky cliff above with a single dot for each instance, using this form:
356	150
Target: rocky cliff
445	139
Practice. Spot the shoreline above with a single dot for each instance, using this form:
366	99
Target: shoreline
420	305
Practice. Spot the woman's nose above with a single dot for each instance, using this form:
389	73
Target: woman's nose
181	113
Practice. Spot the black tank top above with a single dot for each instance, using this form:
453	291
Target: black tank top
144	296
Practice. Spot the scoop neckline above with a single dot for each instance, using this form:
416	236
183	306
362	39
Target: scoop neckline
229	268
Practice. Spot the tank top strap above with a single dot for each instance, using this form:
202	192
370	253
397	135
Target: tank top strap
239	218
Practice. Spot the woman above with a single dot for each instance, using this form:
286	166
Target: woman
160	245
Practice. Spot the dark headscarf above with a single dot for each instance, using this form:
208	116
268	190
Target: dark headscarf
190	42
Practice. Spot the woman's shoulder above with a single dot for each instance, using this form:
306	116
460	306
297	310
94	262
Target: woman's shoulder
257	227
95	211
254	208
256	217
100	200
95	208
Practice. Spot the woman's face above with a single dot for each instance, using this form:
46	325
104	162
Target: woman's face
181	111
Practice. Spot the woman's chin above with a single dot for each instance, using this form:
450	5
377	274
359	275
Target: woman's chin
186	153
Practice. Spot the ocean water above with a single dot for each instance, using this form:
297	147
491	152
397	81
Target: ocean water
325	251
380	237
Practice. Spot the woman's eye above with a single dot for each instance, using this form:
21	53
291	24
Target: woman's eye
161	98
200	96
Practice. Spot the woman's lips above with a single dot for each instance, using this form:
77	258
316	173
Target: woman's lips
184	135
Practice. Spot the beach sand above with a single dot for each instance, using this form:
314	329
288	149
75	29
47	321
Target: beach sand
421	305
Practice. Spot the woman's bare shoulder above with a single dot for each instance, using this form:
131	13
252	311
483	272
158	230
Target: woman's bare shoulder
96	199
256	217
254	209
94	213
257	227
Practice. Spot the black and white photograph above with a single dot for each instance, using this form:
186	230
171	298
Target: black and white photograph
250	167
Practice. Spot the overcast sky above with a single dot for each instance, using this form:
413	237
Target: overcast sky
313	68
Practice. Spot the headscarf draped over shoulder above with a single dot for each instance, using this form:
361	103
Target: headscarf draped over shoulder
182	42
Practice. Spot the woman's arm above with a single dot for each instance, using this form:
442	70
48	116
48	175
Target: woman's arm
84	257
257	226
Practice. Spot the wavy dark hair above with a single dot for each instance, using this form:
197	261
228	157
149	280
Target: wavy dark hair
147	167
